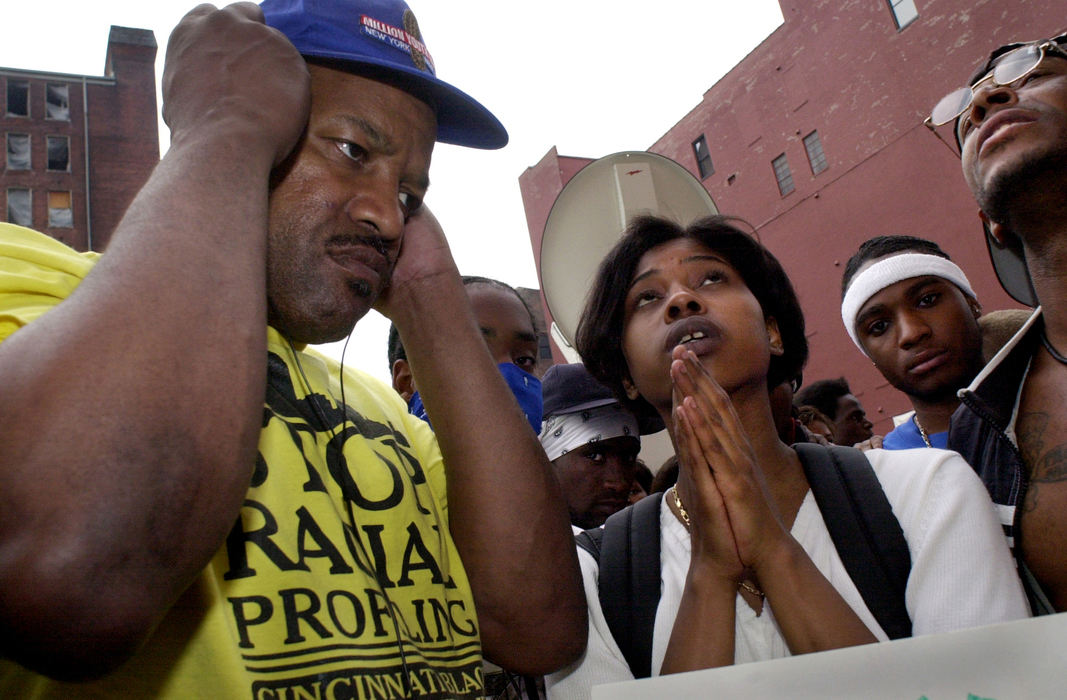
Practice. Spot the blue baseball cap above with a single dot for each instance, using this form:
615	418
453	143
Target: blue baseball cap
383	37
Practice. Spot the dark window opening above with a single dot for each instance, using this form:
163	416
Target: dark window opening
18	98
58	153
700	150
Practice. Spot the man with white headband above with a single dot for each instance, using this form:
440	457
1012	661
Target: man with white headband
592	442
912	311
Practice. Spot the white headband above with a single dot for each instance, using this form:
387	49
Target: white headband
563	432
890	271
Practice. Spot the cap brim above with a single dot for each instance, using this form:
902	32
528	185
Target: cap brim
595	403
461	119
1011	270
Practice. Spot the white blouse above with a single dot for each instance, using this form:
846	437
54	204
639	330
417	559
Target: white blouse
962	574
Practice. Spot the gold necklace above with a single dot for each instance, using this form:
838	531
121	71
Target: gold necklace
683	515
922	432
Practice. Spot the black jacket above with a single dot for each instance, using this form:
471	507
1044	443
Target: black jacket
979	431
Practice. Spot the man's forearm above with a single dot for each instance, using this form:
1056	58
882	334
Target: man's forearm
129	413
506	512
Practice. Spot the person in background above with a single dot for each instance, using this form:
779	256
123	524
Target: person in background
834	398
817	423
592	442
912	311
507	326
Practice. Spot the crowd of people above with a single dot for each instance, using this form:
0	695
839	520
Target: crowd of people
194	503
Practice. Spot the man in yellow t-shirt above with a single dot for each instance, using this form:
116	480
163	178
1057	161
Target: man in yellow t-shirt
169	528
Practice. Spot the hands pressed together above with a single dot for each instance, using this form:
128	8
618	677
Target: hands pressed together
734	525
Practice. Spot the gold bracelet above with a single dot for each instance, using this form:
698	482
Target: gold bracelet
683	515
751	589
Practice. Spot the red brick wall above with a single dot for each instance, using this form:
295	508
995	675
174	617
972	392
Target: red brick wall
123	133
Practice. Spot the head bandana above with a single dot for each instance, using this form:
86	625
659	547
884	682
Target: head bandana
889	271
565	431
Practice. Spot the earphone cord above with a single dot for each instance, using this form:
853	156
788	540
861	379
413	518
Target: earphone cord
348	504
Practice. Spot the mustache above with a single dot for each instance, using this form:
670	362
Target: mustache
388	250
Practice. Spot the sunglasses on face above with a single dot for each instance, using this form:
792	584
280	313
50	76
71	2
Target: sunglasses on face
1010	67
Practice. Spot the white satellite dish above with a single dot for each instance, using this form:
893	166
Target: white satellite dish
590	215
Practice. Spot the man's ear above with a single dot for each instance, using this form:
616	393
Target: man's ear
774	336
630	389
403	381
995	230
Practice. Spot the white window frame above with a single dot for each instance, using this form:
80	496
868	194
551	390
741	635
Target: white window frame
904	12
783	174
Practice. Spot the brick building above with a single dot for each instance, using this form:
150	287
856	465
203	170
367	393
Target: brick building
816	138
79	147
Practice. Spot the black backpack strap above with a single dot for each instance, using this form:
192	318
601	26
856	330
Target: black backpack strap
590	540
629	582
866	534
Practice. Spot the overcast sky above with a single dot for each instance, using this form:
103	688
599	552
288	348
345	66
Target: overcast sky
591	77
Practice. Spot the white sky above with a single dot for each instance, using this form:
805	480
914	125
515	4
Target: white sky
591	77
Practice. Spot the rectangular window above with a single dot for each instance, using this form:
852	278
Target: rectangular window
57	102
18	98
18	151
816	157
19	210
783	174
60	214
904	12
59	153
700	150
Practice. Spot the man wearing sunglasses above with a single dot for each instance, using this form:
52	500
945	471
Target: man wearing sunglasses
1011	127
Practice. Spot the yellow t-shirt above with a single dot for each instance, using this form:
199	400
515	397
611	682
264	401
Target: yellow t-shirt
341	548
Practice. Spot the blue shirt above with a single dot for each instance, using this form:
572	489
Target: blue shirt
906	436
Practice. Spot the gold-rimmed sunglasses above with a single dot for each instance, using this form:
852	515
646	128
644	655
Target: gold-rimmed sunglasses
1010	67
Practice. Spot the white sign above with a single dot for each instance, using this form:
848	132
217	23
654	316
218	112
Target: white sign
1010	661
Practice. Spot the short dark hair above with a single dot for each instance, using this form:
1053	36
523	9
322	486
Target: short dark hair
823	395
881	246
600	330
394	346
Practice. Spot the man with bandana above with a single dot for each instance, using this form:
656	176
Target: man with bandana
912	311
592	442
1010	122
193	504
